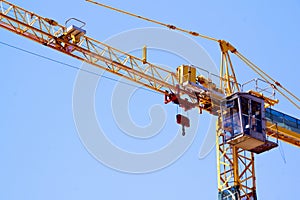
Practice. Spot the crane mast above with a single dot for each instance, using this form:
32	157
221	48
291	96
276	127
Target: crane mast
245	121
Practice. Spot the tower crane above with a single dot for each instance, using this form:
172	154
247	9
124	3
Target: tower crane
246	122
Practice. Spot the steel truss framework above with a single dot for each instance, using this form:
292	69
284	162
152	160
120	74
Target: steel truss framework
235	166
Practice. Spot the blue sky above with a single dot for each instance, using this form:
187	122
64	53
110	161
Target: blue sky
42	155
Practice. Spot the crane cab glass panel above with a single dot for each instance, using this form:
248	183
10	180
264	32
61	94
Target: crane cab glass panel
242	122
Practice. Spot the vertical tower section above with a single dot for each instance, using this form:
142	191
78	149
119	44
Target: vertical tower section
241	132
236	174
235	166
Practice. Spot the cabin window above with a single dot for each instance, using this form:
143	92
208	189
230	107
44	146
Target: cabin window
231	118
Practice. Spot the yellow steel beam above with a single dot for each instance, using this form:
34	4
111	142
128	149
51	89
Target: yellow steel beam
279	132
49	33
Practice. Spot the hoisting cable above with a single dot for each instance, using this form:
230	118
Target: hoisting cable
170	26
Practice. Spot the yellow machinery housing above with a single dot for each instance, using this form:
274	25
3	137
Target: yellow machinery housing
186	74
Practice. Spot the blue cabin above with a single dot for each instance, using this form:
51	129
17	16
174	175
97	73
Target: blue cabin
243	122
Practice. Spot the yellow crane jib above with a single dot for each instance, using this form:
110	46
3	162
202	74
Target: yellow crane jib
244	118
